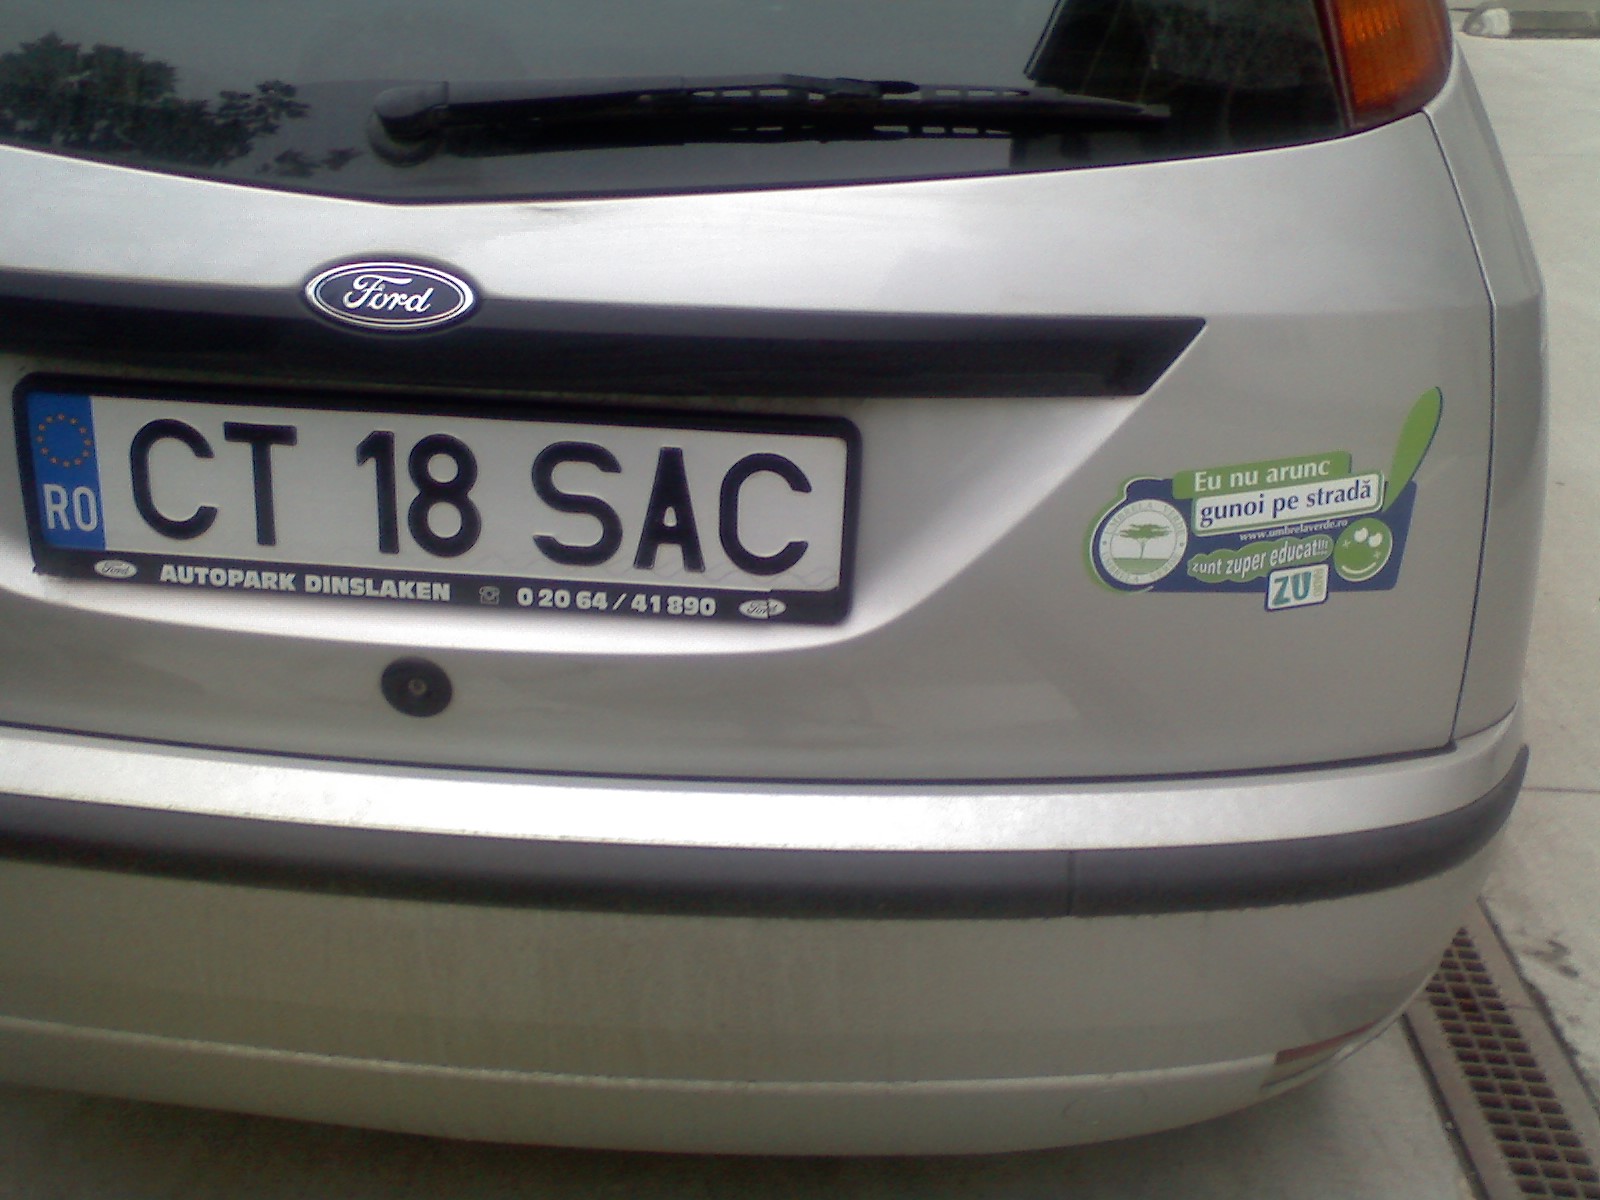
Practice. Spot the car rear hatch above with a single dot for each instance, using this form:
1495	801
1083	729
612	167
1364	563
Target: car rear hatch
1133	450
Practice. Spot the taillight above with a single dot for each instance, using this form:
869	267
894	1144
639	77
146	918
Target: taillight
1390	56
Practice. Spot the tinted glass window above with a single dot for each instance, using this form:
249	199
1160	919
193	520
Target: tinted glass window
282	93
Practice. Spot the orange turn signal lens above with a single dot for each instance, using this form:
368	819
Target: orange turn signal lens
1392	55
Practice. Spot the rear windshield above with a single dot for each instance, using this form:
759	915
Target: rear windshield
283	92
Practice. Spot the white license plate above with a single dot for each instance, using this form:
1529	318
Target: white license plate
626	514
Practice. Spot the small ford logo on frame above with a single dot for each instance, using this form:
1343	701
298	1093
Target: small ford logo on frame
393	296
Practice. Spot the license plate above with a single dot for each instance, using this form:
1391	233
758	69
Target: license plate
624	515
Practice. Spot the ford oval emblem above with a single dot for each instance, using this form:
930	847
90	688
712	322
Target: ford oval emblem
762	610
390	296
115	568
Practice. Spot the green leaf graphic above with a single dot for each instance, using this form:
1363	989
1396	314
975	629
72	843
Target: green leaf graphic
1416	435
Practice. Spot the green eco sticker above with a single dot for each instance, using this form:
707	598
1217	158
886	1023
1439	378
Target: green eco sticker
1273	526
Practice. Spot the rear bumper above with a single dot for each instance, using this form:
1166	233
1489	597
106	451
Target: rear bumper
745	1035
986	850
497	987
726	880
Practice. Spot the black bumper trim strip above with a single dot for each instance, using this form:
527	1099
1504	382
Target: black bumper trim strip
743	882
643	350
1295	871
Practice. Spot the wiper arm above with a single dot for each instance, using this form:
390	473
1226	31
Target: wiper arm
408	122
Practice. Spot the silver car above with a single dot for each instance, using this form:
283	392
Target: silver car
827	576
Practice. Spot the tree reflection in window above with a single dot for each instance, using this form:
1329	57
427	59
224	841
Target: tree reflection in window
110	101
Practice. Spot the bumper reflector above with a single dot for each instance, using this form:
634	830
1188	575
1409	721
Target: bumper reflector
1296	1061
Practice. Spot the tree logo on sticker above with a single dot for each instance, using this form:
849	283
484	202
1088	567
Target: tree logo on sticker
1142	542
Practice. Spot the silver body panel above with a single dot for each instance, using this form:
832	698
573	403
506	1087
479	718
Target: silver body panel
986	693
979	646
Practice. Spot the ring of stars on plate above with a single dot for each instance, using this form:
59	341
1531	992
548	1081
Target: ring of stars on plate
42	437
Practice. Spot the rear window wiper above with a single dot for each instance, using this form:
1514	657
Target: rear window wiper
409	123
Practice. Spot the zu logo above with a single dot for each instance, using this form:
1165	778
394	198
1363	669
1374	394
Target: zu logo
1297	587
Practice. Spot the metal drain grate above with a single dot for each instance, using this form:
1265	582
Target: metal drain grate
1523	1117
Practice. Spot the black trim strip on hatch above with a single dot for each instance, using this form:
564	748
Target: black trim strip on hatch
744	882
591	348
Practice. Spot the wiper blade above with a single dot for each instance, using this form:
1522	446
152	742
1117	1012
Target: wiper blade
408	123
